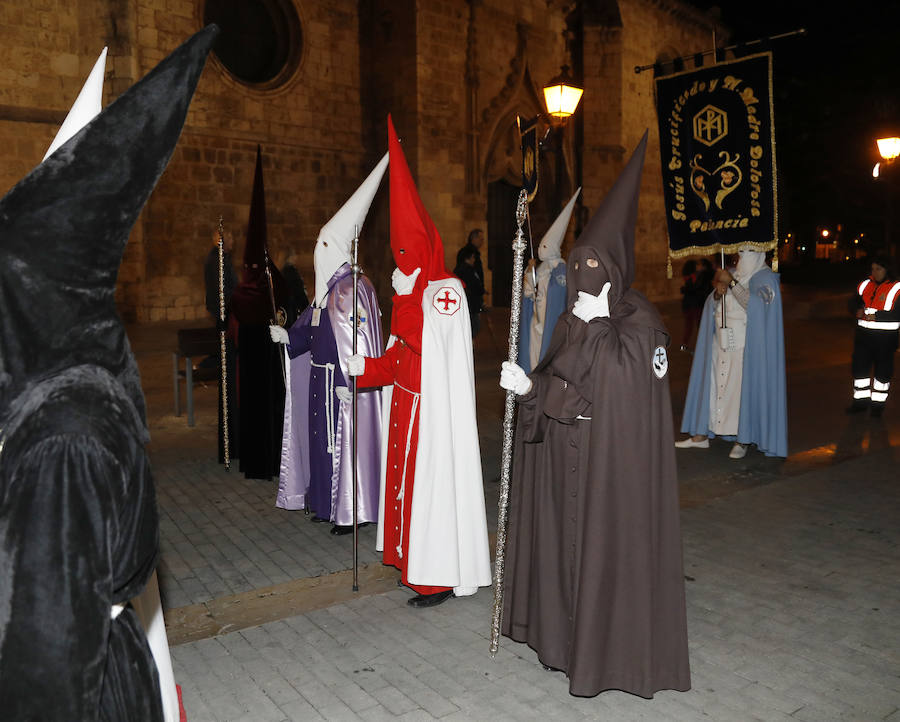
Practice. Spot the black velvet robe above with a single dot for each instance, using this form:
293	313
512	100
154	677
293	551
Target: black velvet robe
78	520
74	475
594	580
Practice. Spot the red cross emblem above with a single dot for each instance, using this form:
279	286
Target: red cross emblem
446	301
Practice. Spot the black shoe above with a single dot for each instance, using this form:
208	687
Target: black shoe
318	520
430	600
877	411
339	530
857	407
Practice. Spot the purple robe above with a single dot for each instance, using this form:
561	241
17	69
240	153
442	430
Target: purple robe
316	471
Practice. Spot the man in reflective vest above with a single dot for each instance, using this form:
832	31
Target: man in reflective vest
877	309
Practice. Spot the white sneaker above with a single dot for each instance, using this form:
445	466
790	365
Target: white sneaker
689	443
738	451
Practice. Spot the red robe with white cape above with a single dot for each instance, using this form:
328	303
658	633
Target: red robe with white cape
447	531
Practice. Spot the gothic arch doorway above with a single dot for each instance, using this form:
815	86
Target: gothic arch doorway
501	221
503	184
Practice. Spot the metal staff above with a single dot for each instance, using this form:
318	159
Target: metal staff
509	412
722	261
226	455
275	319
353	450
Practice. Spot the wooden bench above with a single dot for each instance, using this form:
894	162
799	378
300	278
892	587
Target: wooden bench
193	343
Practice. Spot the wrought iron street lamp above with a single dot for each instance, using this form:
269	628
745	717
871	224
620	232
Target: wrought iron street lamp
888	149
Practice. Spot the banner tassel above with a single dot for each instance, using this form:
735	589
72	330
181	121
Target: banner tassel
669	266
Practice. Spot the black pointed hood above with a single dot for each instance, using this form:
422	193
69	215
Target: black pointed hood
256	245
63	229
251	302
609	238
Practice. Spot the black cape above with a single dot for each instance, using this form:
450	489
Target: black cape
260	371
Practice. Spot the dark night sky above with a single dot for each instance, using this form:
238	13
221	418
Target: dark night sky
836	90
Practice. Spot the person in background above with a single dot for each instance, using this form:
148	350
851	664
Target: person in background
694	291
467	272
877	311
737	388
544	292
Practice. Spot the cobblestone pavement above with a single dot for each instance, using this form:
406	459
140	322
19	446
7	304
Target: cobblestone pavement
793	613
792	597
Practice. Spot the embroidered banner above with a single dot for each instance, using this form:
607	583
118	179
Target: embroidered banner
528	131
717	142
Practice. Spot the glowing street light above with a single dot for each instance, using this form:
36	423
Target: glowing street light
888	148
825	233
562	95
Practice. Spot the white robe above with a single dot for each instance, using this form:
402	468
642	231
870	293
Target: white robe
448	540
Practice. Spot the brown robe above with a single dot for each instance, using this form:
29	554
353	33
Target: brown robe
594	581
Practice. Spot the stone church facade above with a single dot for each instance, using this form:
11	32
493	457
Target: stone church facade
315	92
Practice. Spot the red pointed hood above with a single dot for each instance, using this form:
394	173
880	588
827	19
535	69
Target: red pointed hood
415	241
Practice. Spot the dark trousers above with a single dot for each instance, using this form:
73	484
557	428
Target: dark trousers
475	318
873	355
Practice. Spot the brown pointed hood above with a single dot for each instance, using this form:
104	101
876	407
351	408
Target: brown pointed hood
609	238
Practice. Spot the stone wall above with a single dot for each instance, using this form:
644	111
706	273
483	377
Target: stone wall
309	130
454	73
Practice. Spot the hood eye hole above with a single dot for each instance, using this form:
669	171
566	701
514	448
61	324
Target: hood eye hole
402	251
592	263
325	243
576	265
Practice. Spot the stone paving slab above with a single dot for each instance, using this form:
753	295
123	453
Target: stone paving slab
220	534
793	614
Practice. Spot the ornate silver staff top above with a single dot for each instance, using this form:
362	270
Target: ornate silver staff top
508	418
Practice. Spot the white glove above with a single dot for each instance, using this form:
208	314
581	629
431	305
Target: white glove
513	378
344	394
279	334
402	283
356	365
589	307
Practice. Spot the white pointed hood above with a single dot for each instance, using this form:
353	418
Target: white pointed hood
87	105
334	245
551	243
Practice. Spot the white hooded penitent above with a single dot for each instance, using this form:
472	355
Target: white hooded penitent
551	243
334	245
87	105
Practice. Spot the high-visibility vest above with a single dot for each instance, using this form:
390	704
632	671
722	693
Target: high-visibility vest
879	297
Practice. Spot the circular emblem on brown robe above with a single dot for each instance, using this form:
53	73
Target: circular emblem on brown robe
660	362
